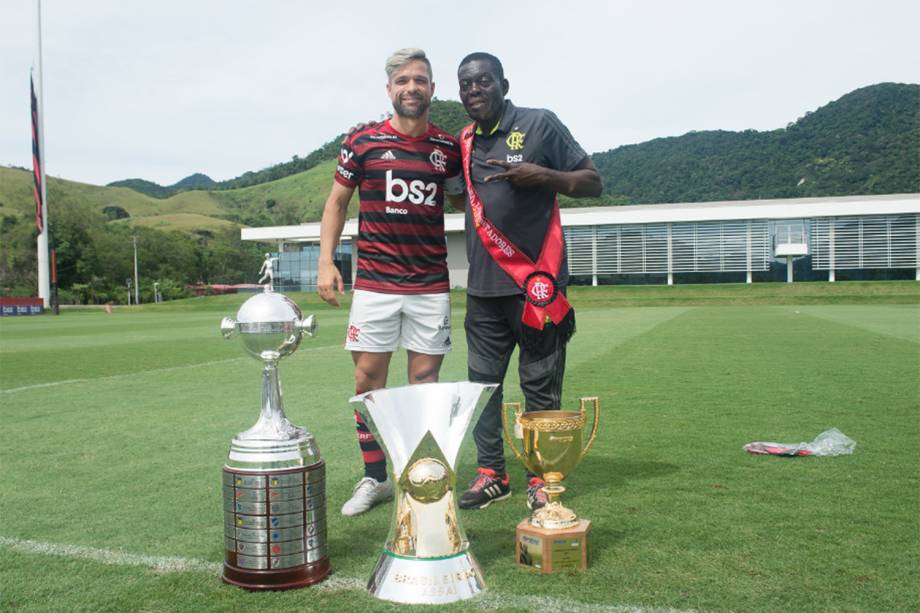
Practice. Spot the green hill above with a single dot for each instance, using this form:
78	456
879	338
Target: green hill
867	142
182	222
182	239
195	181
143	186
16	198
290	200
447	114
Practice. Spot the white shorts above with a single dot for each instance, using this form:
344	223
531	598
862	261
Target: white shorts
383	322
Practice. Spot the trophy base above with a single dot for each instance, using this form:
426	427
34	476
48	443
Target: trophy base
275	528
284	579
426	580
554	516
550	551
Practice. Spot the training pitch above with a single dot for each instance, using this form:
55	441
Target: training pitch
115	429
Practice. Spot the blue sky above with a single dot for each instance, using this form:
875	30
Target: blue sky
160	90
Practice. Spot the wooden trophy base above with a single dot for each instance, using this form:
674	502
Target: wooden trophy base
550	551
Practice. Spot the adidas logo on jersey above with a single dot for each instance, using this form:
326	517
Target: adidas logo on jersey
389	155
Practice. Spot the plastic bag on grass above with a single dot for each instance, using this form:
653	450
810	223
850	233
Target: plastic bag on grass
828	443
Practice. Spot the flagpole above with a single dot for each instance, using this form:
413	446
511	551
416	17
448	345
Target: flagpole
44	281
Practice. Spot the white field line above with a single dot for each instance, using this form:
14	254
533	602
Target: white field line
105	556
488	601
163	564
26	388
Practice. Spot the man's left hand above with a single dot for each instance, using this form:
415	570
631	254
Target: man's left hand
521	174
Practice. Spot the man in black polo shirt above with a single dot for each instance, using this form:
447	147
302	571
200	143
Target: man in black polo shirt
515	162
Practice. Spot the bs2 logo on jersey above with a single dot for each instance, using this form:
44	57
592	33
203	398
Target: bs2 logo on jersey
415	191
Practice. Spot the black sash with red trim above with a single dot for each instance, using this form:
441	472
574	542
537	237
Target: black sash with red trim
544	303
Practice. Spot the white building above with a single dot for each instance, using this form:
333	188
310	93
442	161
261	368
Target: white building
746	240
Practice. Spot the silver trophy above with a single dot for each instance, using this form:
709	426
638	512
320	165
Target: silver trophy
426	559
274	478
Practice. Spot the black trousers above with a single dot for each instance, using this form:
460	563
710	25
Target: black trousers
493	330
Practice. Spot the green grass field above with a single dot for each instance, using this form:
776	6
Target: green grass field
115	428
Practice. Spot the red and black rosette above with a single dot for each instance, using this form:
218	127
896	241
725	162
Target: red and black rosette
540	288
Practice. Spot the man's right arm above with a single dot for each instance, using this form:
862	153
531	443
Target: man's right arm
328	277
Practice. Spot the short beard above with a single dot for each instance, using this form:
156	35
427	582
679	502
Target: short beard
410	113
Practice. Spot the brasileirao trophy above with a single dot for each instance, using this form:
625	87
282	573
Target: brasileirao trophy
553	538
274	478
426	559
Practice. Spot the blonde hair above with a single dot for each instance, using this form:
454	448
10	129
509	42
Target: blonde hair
401	57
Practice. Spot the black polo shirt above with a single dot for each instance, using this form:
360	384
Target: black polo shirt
523	214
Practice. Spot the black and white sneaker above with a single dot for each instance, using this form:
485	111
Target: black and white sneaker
485	489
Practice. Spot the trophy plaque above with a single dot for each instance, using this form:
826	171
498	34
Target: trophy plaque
274	478
553	538
426	559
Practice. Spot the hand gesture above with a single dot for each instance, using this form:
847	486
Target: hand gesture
328	281
521	174
361	126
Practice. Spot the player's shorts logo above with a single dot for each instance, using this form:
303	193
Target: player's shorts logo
353	333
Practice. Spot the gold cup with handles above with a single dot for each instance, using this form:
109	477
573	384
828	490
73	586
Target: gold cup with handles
552	448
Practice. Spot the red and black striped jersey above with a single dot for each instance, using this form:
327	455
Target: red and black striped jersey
400	180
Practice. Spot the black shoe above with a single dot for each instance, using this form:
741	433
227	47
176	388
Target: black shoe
536	496
485	489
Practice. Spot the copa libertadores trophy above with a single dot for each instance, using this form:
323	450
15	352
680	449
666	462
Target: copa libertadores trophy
274	478
553	538
426	559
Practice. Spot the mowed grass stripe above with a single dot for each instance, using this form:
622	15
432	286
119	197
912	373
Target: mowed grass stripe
155	371
153	342
149	372
901	322
685	505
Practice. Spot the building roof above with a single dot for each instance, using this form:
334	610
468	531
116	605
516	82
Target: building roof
789	208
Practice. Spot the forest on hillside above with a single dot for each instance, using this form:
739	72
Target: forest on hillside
95	254
867	142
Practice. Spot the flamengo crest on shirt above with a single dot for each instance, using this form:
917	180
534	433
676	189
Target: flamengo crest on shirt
515	141
438	159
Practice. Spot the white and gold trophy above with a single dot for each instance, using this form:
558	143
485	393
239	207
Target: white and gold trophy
426	559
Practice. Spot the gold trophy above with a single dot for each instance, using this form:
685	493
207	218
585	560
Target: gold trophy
553	538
